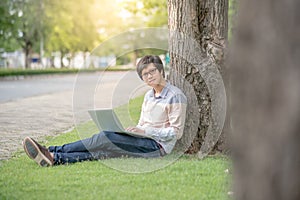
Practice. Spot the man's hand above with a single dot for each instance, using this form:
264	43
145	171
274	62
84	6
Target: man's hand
135	130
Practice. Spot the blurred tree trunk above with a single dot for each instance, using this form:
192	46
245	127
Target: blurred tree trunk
265	101
28	50
198	34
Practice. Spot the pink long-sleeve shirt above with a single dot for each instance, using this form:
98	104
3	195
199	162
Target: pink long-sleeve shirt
163	117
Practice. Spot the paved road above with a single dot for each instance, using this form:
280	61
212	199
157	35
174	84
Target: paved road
50	105
11	90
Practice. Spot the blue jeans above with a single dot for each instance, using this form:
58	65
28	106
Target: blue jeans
105	145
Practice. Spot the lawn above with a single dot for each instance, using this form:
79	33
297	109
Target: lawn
30	72
170	177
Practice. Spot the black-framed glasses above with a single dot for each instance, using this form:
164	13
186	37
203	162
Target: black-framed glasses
151	72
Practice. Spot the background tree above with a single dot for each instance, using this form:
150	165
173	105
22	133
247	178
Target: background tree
68	31
142	14
265	100
21	27
154	12
117	13
198	34
52	25
8	30
59	35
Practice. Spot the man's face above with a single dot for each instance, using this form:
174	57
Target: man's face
151	76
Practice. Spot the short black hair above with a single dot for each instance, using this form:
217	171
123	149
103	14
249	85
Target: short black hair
146	60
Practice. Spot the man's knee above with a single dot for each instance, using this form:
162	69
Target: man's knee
113	137
103	136
106	134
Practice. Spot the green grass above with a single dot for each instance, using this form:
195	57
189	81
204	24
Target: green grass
122	178
129	113
26	72
187	178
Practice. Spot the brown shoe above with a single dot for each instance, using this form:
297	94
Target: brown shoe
42	148
38	153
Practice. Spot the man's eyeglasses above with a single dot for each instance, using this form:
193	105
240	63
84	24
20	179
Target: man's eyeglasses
151	72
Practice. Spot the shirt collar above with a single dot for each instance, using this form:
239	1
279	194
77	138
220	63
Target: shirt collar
163	93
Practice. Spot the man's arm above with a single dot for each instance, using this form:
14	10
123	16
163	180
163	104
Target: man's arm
176	119
176	114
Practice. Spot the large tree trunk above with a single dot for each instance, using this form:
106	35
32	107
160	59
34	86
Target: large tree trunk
265	101
198	33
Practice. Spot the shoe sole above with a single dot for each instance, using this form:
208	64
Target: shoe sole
34	152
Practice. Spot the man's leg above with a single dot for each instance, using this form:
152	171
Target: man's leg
96	146
102	145
95	142
118	144
77	146
110	144
63	158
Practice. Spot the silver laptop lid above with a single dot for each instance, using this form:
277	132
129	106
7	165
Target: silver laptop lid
106	119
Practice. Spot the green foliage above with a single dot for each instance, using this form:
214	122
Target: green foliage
62	25
28	22
70	26
81	25
129	114
24	26
10	19
155	11
157	15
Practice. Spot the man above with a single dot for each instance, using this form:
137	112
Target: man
162	118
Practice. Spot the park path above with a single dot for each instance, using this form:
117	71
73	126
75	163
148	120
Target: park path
47	114
37	116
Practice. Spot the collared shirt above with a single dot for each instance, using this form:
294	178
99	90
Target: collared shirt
163	117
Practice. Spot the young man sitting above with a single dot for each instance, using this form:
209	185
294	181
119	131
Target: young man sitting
162	118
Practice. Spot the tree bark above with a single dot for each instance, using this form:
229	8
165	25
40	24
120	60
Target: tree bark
28	51
265	101
197	38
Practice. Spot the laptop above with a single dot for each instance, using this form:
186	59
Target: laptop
107	120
